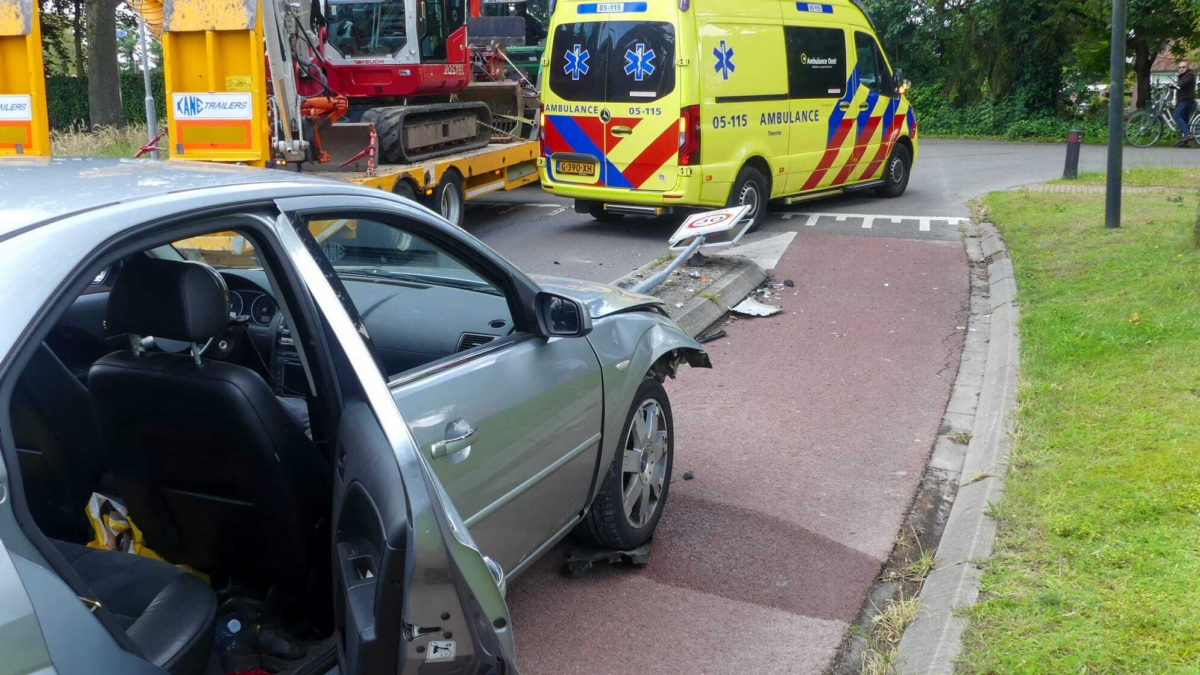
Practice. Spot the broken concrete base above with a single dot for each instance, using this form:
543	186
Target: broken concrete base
697	303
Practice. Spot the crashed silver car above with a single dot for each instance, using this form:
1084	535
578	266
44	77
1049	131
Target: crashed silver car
342	424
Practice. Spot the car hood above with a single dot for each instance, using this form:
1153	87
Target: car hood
601	299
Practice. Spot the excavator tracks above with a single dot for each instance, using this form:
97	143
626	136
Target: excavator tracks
414	133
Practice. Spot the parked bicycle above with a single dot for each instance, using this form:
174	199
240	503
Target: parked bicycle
1146	126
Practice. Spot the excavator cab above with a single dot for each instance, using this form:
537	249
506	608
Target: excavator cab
367	28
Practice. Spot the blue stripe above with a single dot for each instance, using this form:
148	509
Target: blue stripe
864	116
613	7
889	116
814	8
580	143
835	120
912	120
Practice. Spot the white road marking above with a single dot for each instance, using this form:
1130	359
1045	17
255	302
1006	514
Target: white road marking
765	252
924	223
556	212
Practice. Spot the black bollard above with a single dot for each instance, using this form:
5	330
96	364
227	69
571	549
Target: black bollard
1074	140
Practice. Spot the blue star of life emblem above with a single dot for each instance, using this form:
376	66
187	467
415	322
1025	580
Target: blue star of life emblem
577	62
724	56
639	62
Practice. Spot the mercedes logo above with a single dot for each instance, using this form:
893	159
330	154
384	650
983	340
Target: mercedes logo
605	116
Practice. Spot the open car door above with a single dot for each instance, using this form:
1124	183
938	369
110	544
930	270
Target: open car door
412	592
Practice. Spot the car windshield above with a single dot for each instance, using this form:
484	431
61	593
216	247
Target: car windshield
366	28
357	249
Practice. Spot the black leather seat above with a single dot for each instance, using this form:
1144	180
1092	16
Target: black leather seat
168	614
61	455
208	463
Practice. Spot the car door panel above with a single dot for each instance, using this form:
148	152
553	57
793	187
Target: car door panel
536	409
407	575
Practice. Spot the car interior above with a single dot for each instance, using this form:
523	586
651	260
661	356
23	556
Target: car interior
174	387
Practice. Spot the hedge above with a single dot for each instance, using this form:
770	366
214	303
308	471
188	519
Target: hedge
67	98
1001	118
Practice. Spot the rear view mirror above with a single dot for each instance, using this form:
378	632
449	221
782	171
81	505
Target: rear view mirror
900	82
562	317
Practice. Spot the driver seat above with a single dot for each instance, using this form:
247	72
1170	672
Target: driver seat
208	462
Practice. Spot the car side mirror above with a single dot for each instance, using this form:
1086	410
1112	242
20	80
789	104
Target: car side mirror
562	317
902	84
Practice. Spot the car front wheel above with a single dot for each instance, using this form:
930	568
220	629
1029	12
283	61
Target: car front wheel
630	503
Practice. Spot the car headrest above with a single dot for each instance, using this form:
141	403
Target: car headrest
186	301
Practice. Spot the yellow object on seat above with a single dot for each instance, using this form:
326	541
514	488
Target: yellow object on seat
114	531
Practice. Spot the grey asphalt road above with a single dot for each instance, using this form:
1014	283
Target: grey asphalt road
540	233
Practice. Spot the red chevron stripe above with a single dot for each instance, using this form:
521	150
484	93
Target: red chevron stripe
860	149
653	157
885	147
831	153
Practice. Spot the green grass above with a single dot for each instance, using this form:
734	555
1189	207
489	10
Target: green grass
1143	177
1097	562
101	141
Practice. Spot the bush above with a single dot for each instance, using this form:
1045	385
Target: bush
939	115
67	98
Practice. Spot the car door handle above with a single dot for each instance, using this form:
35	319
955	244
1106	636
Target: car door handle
622	131
844	105
463	436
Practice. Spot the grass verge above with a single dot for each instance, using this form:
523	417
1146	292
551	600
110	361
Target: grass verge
1142	176
100	142
1098	551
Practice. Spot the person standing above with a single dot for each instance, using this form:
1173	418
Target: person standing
1185	102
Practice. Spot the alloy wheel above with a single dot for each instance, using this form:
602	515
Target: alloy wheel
644	467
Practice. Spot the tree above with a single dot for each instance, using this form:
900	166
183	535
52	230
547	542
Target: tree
104	84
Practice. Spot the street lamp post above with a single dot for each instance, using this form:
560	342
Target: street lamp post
151	118
1116	116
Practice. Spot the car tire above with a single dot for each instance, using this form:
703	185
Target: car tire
447	199
751	188
639	466
598	212
895	173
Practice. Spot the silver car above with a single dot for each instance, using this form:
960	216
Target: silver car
345	423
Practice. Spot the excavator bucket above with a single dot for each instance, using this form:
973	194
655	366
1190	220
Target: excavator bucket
348	145
24	125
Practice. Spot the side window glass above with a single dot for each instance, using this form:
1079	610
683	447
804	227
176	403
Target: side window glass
887	85
864	48
373	249
816	62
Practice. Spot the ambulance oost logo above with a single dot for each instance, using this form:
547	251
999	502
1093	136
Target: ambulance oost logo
189	106
724	56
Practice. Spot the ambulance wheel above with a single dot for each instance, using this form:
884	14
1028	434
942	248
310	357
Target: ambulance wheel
750	189
895	173
447	199
598	212
629	505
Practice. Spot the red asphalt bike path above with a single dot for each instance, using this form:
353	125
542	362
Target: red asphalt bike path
808	440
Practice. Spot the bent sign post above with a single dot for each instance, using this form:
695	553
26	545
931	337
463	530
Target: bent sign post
712	229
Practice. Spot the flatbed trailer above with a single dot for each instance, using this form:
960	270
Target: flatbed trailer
495	168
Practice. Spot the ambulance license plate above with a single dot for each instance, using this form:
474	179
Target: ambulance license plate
577	168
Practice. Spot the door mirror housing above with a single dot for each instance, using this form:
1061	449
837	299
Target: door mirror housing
560	316
901	83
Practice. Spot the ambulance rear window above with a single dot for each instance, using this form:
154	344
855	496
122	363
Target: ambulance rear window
613	61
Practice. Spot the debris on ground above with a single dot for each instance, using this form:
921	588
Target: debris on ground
752	307
583	559
688	475
705	339
789	283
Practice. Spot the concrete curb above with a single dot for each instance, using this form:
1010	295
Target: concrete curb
699	313
931	644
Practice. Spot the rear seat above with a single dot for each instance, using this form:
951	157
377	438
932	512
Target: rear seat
169	614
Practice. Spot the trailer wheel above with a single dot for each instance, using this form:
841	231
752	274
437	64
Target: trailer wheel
447	199
404	190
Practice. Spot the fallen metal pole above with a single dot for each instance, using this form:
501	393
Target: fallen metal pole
653	282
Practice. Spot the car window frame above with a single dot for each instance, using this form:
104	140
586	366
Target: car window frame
503	278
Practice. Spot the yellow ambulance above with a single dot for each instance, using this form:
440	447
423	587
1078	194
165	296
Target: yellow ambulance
660	105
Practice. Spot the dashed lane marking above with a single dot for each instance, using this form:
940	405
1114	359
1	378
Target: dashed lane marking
870	221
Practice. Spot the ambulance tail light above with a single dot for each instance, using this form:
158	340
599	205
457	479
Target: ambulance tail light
542	134
689	136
